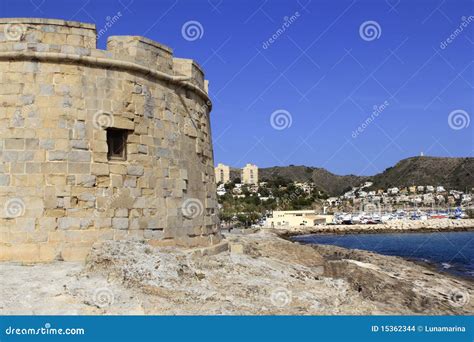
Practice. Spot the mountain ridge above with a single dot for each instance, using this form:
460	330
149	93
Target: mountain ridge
451	172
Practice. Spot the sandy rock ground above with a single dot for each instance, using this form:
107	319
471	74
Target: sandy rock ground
262	274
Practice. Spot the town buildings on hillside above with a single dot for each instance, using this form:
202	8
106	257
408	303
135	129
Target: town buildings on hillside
249	174
416	196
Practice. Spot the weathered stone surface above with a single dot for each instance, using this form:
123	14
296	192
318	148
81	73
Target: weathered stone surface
135	170
120	223
272	277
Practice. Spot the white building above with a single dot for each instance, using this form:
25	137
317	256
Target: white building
296	218
393	191
367	184
250	174
237	189
305	187
222	173
428	199
333	201
221	190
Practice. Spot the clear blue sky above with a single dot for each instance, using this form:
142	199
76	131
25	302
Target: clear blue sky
320	70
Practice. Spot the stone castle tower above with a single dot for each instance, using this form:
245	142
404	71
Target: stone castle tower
100	144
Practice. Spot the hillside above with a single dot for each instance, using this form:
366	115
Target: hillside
323	179
453	173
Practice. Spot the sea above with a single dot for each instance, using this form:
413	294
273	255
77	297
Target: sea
451	252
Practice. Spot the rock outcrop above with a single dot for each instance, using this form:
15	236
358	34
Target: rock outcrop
260	274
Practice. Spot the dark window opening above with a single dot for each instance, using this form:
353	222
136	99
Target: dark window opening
117	144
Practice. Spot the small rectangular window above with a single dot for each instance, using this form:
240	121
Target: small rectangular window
117	144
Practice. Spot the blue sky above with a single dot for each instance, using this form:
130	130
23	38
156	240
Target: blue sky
323	73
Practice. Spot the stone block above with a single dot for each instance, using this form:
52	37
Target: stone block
21	252
48	252
116	181
75	252
14	144
87	181
100	169
69	223
120	223
153	234
135	170
79	156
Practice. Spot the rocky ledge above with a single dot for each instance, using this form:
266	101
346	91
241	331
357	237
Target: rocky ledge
261	274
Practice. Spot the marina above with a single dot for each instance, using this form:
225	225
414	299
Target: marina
382	217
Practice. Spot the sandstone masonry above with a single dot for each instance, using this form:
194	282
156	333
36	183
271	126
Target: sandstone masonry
100	144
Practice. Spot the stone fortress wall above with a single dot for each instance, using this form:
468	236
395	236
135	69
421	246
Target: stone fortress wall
60	97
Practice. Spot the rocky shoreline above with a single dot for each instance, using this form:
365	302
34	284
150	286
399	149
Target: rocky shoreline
260	274
395	280
394	227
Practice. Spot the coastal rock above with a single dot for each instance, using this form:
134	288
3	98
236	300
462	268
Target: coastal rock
399	282
267	276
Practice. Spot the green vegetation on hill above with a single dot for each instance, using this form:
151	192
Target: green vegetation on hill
453	173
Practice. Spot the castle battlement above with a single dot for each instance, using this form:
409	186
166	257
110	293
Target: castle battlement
53	38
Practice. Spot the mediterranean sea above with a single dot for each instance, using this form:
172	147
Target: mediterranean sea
451	252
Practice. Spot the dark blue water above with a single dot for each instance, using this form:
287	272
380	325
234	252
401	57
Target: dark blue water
451	252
